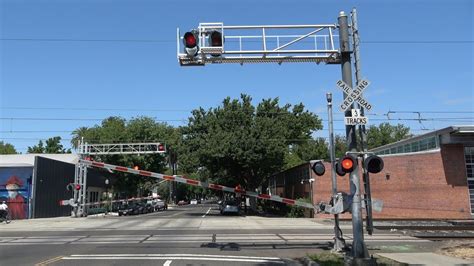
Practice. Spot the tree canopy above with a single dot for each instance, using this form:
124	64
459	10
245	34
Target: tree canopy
7	148
238	143
235	143
385	133
53	145
141	129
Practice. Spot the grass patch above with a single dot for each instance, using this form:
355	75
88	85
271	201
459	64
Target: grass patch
334	259
328	259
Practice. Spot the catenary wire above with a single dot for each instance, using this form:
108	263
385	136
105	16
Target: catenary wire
173	41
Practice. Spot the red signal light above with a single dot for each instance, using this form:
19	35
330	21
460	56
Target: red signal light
78	187
161	147
190	40
215	38
348	163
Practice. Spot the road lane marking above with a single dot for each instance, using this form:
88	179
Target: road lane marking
207	212
171	257
167	263
174	255
46	262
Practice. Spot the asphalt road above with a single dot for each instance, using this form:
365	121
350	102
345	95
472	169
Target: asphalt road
120	244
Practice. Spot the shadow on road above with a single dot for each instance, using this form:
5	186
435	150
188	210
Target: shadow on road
262	246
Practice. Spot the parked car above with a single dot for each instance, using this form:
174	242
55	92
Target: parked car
158	205
125	209
193	201
149	207
230	207
182	202
139	208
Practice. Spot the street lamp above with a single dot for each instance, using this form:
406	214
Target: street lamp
107	194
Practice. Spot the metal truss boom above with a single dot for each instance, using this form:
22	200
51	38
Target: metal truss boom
86	149
121	148
263	44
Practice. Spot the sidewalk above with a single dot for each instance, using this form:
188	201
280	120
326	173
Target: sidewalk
425	258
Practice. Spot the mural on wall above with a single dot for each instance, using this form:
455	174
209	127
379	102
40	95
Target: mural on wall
15	190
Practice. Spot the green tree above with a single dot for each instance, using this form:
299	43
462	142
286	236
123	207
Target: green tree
37	148
241	144
312	149
340	146
137	130
53	145
7	148
385	133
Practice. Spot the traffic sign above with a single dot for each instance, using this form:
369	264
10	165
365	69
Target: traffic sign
352	121
354	95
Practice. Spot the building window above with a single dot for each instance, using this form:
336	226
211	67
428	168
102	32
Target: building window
415	146
425	144
406	148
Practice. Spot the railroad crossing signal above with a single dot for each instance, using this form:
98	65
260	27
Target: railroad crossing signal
373	164
190	40
354	95
318	167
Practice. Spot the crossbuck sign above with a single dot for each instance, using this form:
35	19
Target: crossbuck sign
354	95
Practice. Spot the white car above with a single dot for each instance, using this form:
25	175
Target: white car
158	204
194	201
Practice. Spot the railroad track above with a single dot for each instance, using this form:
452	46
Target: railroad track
432	230
442	234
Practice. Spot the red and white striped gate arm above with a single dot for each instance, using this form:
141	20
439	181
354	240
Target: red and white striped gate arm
197	183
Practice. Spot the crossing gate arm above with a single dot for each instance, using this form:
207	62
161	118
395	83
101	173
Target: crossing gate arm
193	182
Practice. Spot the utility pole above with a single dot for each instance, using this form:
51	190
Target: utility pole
173	157
359	249
339	242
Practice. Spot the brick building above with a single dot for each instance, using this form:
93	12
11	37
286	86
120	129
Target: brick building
429	176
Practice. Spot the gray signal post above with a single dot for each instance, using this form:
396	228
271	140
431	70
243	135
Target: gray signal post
339	242
359	249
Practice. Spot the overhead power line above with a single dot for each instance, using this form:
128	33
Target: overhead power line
190	110
77	119
95	109
186	119
85	40
173	41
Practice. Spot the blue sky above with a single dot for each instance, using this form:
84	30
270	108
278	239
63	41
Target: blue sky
59	56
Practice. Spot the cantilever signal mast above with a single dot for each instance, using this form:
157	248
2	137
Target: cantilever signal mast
283	44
